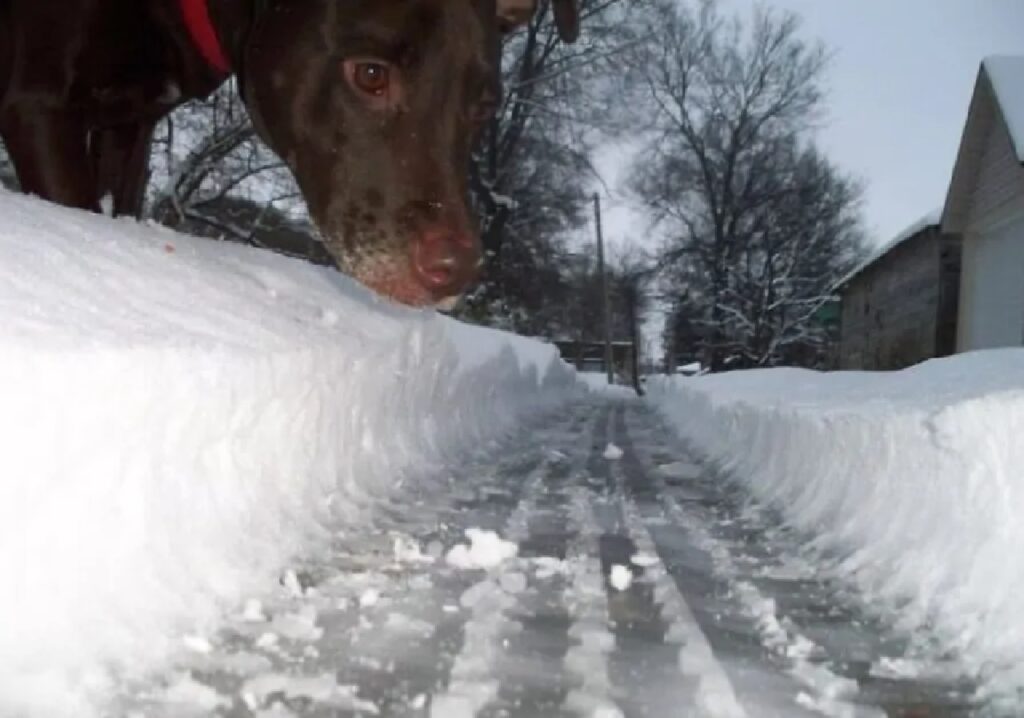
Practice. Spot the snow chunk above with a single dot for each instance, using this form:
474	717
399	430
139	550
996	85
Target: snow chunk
253	612
267	641
485	550
199	644
612	452
107	204
620	577
370	597
290	580
644	560
407	550
548	566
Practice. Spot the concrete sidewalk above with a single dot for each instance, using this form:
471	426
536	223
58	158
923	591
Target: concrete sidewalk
643	586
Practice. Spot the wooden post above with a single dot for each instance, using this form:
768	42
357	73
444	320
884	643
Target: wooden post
609	360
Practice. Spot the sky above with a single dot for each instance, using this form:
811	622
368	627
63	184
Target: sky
900	80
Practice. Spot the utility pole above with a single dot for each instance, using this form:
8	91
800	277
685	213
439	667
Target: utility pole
608	357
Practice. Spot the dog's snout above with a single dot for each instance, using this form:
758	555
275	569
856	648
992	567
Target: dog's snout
444	260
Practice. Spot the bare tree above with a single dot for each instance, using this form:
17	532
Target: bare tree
530	176
212	176
7	175
806	242
728	172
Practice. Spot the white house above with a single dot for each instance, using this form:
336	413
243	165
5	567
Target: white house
985	205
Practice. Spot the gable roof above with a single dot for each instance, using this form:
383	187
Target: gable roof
932	219
998	97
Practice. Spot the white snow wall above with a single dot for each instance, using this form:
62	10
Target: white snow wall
180	417
910	484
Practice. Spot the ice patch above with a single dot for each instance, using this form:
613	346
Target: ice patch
299	625
407	624
512	582
682	470
237	663
323	690
187	697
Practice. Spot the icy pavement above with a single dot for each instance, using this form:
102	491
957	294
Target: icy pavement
586	566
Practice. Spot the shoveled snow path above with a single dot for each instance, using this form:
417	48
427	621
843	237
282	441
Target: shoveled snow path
719	615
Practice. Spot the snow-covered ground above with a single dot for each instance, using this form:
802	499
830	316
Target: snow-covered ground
181	419
909	485
597	382
205	446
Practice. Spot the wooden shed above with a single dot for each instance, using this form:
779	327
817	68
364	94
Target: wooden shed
588	356
900	306
985	205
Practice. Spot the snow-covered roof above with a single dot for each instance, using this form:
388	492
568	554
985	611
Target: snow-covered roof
932	218
1006	73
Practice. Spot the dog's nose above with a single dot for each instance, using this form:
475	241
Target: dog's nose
445	261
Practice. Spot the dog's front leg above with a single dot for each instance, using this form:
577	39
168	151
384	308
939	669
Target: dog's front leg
48	148
120	161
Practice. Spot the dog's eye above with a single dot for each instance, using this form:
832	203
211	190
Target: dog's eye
377	81
372	78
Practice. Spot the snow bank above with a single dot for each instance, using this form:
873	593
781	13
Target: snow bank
911	483
181	417
597	383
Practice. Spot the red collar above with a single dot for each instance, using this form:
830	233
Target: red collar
197	19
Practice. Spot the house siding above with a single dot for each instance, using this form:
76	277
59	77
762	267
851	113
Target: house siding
992	286
901	310
998	195
992	301
985	205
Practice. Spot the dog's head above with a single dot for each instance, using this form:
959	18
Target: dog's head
376	105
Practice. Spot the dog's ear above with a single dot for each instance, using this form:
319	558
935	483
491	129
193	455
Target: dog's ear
513	13
567	19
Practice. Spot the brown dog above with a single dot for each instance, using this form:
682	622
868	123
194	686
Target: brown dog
373	104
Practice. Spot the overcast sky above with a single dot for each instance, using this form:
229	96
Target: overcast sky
900	81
